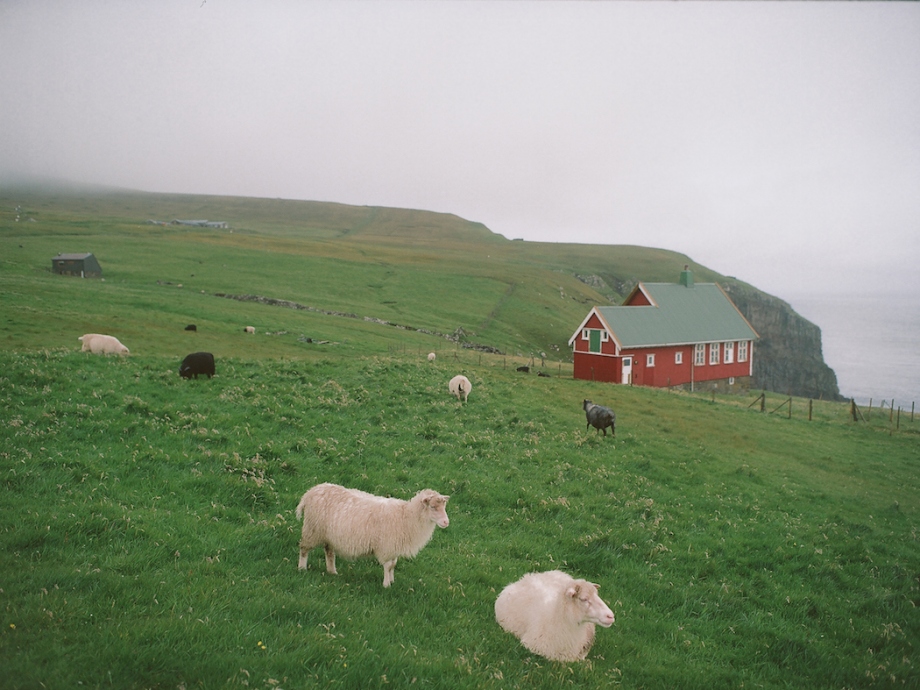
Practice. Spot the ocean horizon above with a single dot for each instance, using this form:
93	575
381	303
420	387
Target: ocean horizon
870	341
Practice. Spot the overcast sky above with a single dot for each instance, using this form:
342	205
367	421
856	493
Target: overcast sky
778	142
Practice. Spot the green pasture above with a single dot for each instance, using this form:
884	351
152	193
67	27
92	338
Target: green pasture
148	532
149	539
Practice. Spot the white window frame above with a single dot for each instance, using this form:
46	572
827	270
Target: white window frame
649	360
679	357
699	355
586	334
714	353
729	353
743	351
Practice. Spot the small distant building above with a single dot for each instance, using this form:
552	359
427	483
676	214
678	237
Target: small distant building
667	334
83	265
203	223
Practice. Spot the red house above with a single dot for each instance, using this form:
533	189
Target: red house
667	334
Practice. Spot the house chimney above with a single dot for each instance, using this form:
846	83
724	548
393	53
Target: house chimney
686	277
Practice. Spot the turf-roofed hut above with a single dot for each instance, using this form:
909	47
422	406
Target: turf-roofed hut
682	334
83	265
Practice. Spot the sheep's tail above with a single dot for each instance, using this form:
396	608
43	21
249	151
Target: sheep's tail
300	506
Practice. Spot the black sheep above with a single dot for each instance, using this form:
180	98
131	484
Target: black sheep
197	363
600	417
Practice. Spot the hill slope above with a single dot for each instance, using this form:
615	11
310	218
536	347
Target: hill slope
426	273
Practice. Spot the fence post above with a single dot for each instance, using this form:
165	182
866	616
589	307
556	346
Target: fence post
809	409
891	411
853	409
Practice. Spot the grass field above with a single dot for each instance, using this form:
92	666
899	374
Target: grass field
150	541
148	534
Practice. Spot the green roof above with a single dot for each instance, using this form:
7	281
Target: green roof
680	315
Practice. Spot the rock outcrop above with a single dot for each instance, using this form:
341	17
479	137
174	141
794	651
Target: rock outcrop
787	357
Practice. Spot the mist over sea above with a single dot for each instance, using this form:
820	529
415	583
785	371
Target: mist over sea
871	341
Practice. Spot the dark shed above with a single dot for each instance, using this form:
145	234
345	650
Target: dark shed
83	265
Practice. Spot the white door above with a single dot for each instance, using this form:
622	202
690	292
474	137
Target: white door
627	370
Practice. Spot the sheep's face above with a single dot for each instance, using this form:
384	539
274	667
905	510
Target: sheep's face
592	607
436	507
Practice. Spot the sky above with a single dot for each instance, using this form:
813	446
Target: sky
777	142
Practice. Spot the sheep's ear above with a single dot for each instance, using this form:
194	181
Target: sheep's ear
572	591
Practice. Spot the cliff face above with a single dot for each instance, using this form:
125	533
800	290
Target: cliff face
788	356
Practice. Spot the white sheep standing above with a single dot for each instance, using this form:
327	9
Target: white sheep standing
460	386
553	614
431	356
249	329
100	344
354	523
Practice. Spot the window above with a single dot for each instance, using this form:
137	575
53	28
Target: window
729	353
699	355
743	351
714	353
649	360
678	358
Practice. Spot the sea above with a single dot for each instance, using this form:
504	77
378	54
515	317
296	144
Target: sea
871	341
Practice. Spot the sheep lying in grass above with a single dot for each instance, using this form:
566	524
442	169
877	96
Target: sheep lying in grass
460	386
553	614
100	344
354	523
600	417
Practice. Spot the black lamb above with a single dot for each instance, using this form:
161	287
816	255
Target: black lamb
197	363
600	417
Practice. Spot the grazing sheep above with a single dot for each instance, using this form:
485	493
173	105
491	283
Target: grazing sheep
600	417
191	327
100	344
355	523
249	329
524	369
460	386
431	356
553	614
197	363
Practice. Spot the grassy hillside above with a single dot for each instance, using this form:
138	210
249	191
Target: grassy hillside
149	539
412	268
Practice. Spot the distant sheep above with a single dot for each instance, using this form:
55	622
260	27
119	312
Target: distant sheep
191	327
600	417
355	523
553	614
197	363
524	369
100	344
460	386
249	329
431	356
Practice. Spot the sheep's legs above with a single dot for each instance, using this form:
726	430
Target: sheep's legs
302	563
330	560
388	569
